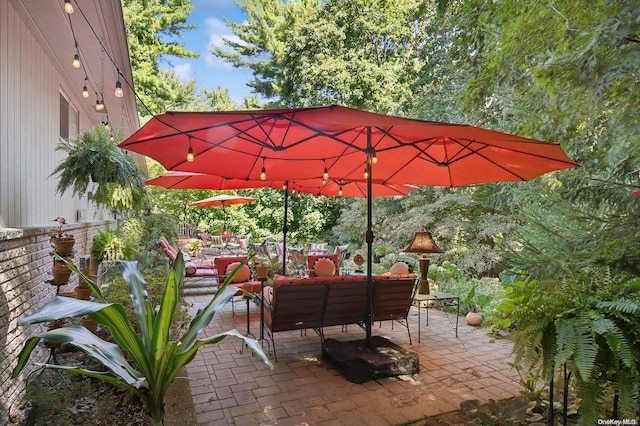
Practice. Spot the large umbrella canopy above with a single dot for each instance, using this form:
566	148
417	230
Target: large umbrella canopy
292	144
343	143
190	180
329	187
223	201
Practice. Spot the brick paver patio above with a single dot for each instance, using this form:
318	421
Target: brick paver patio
232	388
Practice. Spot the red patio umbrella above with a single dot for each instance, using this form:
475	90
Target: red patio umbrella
189	180
330	187
292	144
222	200
345	143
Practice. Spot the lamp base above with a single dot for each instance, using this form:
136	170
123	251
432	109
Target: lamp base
424	286
424	270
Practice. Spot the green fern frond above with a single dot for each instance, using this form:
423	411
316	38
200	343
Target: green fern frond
625	306
586	350
566	342
549	348
618	344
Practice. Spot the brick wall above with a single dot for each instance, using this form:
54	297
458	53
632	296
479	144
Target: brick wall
25	263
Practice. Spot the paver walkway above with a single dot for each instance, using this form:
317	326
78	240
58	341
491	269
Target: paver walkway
231	388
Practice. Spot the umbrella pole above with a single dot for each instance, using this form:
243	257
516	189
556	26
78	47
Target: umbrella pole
285	229
369	239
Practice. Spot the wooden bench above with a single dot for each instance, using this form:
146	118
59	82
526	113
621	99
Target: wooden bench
315	303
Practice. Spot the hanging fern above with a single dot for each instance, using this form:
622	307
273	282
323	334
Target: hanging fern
95	157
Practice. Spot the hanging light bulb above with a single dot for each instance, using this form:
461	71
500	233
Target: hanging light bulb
99	105
263	171
366	174
85	90
107	126
190	156
118	92
325	173
340	190
68	7
76	61
374	159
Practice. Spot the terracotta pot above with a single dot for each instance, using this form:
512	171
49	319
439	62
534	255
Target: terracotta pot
89	324
63	246
60	272
474	319
83	292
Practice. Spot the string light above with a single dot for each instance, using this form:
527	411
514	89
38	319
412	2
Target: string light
374	158
340	190
85	89
68	7
118	92
285	185
99	104
76	61
190	156
325	174
366	174
263	171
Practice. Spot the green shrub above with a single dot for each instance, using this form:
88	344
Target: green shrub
113	245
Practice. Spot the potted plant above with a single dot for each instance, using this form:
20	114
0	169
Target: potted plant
61	241
60	272
83	290
95	157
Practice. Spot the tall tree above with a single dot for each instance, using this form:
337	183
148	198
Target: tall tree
149	24
563	71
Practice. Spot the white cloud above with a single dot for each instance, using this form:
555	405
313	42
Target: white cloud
184	72
216	30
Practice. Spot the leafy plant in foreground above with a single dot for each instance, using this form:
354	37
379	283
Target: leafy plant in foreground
157	359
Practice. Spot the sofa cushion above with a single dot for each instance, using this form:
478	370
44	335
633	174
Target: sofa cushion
190	268
399	268
244	274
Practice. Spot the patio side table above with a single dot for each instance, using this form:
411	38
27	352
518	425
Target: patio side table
445	299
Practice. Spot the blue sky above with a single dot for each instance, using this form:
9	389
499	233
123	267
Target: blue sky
209	71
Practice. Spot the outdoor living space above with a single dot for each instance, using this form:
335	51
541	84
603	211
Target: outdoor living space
230	385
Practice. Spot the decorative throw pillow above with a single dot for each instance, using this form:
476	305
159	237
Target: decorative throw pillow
399	268
190	268
324	268
244	274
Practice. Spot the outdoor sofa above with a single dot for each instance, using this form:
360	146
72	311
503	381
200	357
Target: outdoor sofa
194	267
318	302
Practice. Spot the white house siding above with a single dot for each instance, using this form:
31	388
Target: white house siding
29	128
31	80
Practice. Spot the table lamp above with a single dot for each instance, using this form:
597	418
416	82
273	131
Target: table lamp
423	243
